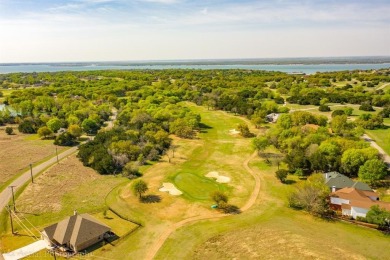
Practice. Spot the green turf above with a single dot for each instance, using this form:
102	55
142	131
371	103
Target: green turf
194	186
381	137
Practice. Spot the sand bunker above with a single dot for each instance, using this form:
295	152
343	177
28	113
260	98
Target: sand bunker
234	132
170	188
219	178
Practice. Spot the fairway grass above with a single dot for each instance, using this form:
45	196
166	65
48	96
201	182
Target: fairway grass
214	150
271	230
381	137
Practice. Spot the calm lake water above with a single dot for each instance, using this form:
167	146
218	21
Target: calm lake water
302	68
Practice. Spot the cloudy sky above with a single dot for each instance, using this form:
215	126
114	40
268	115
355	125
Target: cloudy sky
113	30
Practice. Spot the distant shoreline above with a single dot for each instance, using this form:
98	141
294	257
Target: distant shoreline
205	62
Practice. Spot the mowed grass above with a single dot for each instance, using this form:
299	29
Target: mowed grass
194	186
18	151
381	137
271	230
214	150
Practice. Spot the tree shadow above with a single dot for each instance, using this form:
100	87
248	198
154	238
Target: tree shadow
150	199
289	182
204	126
27	213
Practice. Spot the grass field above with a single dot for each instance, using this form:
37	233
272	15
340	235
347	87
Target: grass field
55	194
267	230
273	231
19	150
214	150
381	137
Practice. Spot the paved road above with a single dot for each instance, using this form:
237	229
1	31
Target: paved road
386	157
6	195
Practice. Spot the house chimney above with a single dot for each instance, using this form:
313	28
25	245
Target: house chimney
75	212
333	188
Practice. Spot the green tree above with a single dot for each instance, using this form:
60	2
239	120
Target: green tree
312	196
219	197
65	139
351	160
54	124
90	126
281	175
139	187
244	130
260	143
75	130
9	130
372	171
44	132
379	216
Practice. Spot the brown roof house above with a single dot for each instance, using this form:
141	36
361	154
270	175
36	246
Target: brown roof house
76	232
355	203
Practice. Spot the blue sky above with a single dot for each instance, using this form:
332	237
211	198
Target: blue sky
98	30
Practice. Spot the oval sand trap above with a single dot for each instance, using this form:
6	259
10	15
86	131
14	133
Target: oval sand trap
234	132
170	188
219	178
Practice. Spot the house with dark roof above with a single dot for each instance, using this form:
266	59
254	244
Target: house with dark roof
354	202
76	232
336	181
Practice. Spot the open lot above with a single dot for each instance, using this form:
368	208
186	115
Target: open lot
19	150
55	194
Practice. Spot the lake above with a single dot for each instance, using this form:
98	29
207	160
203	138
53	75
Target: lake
288	68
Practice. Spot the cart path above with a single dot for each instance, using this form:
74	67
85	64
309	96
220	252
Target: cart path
6	194
251	201
386	157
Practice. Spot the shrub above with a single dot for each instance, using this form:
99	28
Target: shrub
324	108
9	130
366	107
338	112
281	175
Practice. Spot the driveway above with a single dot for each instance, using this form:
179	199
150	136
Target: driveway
26	250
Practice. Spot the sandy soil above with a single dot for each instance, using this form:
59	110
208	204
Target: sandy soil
171	189
219	178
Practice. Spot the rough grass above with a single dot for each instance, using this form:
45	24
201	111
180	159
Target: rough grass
271	230
18	151
55	194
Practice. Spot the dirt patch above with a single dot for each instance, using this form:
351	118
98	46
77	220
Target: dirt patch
19	150
45	195
171	189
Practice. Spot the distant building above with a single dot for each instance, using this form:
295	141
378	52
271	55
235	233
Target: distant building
75	233
354	202
272	118
336	181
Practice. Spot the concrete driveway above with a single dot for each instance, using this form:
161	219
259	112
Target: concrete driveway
26	251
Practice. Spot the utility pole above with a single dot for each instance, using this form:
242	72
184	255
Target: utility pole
57	154
10	217
32	178
13	196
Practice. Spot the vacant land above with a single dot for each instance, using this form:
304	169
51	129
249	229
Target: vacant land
55	194
19	150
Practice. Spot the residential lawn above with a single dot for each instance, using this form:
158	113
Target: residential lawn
381	137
